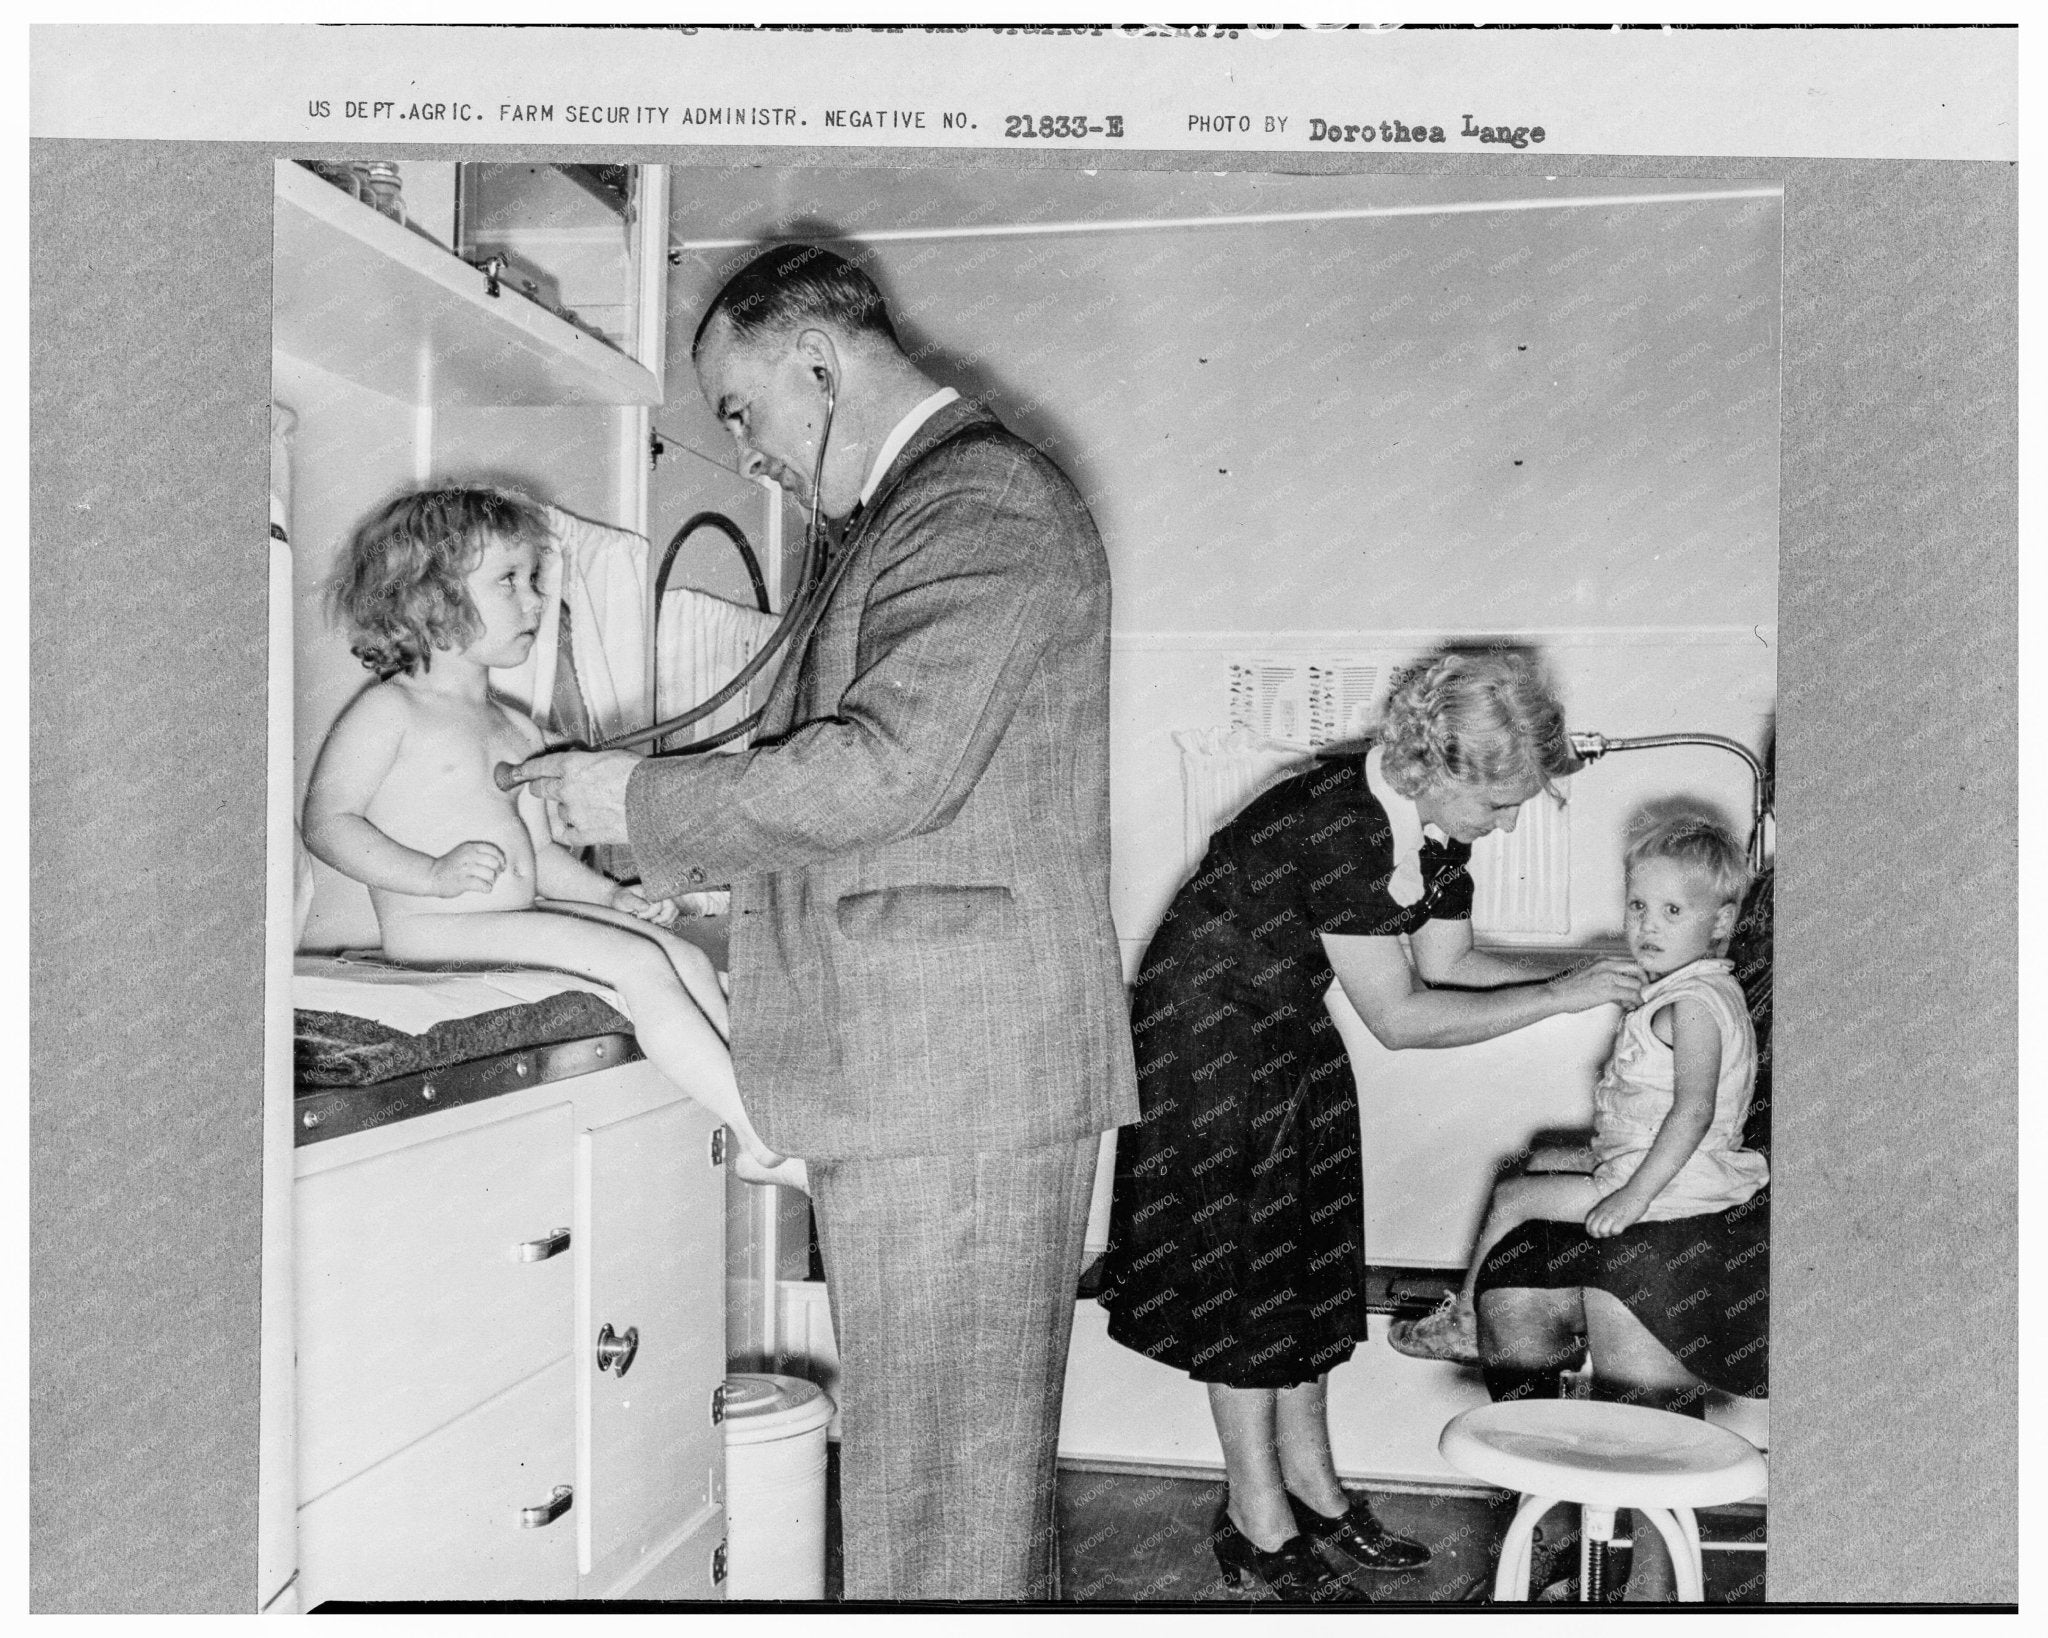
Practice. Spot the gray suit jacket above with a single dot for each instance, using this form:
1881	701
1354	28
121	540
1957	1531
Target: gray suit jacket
918	841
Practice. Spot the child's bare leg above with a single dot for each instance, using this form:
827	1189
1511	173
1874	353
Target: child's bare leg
1558	1197
1452	1332
670	1028
692	965
1561	1157
700	978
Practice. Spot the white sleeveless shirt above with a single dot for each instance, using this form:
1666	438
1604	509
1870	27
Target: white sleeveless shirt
1634	1095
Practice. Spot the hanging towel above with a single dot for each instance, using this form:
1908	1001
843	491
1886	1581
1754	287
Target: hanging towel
604	584
704	641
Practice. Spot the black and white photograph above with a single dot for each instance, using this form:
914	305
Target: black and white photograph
1041	884
1396	605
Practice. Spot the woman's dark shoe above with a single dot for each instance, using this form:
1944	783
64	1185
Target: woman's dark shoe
1359	1537
1292	1571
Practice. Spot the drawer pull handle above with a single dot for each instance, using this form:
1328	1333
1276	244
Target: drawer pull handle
539	1251
615	1349
539	1518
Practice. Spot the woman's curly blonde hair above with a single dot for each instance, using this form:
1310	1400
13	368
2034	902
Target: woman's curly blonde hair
1474	717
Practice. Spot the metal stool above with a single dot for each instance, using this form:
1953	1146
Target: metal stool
1602	1456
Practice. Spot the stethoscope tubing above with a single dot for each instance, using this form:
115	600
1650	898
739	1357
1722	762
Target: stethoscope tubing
812	584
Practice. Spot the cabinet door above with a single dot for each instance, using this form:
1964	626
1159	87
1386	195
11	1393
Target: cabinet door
424	1288
449	1517
654	1260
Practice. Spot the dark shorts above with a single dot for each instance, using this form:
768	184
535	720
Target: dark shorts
1700	1285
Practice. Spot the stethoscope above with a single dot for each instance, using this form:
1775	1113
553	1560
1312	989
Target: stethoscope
812	590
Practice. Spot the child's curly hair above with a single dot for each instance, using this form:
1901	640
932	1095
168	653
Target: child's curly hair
399	583
1474	717
1702	846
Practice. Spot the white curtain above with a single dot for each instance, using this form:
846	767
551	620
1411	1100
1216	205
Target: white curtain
1221	770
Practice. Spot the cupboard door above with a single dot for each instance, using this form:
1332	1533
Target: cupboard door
429	1280
461	1514
654	1260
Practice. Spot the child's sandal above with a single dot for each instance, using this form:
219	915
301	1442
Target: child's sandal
1451	1333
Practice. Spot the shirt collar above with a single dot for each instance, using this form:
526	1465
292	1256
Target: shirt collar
1698	967
906	429
1406	885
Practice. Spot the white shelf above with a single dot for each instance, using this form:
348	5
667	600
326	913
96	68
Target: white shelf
368	300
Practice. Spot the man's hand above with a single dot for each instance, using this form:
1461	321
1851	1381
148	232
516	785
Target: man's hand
589	790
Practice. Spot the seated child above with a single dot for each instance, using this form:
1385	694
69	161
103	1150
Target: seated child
1669	1108
438	588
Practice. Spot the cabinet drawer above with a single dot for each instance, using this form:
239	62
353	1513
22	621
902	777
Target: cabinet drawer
414	1303
442	1518
655	1261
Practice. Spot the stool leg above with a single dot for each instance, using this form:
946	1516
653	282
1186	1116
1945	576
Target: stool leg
1596	1532
1690	1524
1511	1578
1684	1546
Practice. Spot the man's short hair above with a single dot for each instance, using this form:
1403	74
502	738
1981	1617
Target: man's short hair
793	285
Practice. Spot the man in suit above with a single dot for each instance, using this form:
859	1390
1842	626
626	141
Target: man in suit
927	1000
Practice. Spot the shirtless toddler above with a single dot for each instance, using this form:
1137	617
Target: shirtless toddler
438	588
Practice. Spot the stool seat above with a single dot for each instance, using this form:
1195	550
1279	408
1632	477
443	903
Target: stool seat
1604	1457
1588	1450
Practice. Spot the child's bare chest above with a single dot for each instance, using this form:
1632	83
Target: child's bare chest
441	779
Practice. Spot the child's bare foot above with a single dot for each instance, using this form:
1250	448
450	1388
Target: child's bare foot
787	1172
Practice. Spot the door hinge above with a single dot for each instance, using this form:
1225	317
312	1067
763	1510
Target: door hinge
718	1146
718	1404
718	1565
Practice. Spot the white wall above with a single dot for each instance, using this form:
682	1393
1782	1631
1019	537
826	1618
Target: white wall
1356	437
1558	424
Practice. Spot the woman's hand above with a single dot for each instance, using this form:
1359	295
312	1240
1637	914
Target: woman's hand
662	912
468	867
1613	979
1614	1212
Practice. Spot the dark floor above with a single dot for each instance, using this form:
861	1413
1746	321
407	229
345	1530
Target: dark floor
1137	1539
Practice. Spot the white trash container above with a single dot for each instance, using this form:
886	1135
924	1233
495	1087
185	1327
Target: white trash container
775	1487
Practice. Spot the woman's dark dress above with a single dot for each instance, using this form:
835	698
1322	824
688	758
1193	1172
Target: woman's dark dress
1236	1230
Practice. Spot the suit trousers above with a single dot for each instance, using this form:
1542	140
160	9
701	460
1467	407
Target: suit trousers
951	1279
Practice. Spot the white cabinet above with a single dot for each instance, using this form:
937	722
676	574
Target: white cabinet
462	1513
362	298
426	1286
469	1284
651	1456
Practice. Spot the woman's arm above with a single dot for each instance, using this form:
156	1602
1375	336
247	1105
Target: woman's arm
1696	1073
1444	955
1402	1012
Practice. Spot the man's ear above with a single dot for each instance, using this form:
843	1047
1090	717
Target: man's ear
819	355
